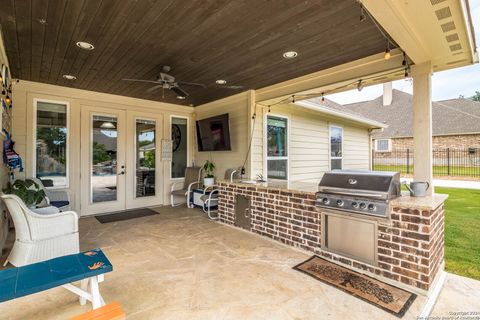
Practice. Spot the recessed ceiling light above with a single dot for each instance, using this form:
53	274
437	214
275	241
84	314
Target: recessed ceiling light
85	45
69	77
290	54
181	97
221	81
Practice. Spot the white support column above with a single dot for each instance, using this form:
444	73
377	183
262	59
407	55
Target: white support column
422	123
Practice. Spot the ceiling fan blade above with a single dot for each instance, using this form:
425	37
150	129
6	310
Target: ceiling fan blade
140	80
192	84
154	88
233	87
179	91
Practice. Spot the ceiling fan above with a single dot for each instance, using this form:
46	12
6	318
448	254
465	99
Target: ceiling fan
167	81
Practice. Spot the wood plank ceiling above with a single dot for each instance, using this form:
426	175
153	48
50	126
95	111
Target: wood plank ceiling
241	41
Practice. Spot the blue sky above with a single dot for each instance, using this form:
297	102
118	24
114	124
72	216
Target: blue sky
445	85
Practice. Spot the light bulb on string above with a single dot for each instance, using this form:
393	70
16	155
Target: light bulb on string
387	55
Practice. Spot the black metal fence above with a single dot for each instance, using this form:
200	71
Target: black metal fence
446	162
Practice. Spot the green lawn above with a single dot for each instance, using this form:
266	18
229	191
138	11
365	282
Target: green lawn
462	231
437	170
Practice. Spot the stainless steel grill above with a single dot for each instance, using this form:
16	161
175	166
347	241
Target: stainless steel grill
362	192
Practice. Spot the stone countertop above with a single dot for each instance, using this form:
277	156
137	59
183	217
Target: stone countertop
304	187
310	188
421	203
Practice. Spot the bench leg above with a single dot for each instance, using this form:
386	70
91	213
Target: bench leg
84	287
97	300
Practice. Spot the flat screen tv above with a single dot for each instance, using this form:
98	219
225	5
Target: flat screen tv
213	134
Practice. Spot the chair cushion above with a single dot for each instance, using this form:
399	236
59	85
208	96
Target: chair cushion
179	192
59	204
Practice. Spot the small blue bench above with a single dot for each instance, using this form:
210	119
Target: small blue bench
87	267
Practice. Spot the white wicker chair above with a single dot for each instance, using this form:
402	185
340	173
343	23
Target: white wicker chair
40	237
56	198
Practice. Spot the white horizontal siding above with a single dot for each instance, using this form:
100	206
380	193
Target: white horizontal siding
309	146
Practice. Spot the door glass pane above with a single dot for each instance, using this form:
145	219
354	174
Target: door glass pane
145	158
179	147
51	150
277	169
104	159
276	137
336	141
336	164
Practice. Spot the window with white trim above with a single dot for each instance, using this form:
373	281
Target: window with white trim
336	147
383	145
277	147
51	156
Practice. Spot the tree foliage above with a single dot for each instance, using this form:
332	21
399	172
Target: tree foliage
476	96
99	153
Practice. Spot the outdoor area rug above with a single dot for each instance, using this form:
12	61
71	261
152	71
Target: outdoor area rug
125	215
385	296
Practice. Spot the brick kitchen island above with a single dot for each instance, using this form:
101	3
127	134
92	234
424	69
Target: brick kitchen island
409	243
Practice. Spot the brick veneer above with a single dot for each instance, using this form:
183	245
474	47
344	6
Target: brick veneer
463	141
410	243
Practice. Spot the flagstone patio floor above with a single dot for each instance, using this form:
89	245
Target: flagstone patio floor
180	265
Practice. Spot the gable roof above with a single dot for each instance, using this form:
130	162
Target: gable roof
450	117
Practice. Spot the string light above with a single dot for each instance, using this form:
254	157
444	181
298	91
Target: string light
404	61
362	13
269	108
360	85
8	100
387	51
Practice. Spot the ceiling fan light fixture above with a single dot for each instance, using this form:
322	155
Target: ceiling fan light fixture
85	45
69	77
107	125
221	81
290	54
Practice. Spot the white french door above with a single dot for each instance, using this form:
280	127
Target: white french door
120	155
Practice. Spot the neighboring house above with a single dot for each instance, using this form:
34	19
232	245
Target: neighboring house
456	122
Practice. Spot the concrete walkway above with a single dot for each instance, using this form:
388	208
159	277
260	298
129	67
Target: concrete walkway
452	183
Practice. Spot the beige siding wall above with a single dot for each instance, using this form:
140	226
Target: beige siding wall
237	107
356	148
309	143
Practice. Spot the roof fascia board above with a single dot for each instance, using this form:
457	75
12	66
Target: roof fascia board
329	111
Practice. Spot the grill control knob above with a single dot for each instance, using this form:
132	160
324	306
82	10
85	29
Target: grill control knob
340	203
371	207
325	201
363	205
355	204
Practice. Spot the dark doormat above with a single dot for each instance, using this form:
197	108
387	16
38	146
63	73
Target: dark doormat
385	296
125	215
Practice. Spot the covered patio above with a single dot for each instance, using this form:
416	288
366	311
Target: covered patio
111	103
181	265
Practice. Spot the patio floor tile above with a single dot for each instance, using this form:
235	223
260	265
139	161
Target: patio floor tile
180	265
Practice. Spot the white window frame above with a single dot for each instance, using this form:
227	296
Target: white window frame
330	158
188	143
265	130
67	146
389	149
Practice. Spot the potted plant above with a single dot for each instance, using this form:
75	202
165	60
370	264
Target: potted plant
208	168
27	190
